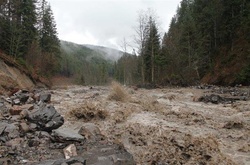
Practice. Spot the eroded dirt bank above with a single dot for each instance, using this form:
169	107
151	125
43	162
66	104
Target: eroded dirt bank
12	78
165	126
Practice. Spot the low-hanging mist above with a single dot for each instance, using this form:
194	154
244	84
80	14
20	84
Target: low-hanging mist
87	64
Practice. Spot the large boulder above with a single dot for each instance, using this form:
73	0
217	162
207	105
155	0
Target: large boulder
91	132
46	118
66	134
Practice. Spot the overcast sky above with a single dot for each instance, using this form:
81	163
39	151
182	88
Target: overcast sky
106	22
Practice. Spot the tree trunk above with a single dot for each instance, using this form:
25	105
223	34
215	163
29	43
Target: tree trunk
152	65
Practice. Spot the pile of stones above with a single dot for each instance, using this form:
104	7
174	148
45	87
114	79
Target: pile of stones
31	132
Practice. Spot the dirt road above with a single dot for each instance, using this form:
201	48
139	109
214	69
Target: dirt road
165	126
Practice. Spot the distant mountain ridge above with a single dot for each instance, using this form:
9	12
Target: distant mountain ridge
103	52
87	64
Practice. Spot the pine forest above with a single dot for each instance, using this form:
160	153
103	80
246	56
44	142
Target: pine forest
207	42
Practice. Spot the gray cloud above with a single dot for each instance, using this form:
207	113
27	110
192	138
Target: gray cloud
106	22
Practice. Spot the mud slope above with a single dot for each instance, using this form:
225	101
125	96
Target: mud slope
164	126
11	78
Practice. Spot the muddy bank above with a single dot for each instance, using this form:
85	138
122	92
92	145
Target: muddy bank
12	78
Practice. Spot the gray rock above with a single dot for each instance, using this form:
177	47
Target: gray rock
3	108
70	151
46	162
66	134
42	134
71	161
15	143
90	131
216	99
24	127
12	130
1	104
33	127
108	155
20	97
46	118
45	97
234	125
5	161
16	101
3	126
8	100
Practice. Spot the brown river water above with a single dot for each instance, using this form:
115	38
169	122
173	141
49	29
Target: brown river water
164	126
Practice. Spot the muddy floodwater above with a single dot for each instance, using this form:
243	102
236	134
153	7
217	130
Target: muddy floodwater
165	126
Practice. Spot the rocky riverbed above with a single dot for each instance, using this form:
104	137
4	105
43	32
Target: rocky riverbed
196	125
31	132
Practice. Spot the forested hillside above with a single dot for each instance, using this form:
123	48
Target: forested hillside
28	34
87	64
207	41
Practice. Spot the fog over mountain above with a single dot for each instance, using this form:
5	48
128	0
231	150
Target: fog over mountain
108	53
104	52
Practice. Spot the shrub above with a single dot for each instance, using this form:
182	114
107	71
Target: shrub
244	76
88	111
118	93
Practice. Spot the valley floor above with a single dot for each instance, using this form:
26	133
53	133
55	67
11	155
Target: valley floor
165	126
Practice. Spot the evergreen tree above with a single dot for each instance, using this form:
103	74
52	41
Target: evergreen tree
18	20
127	70
172	52
29	21
204	35
28	33
49	42
152	51
11	41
